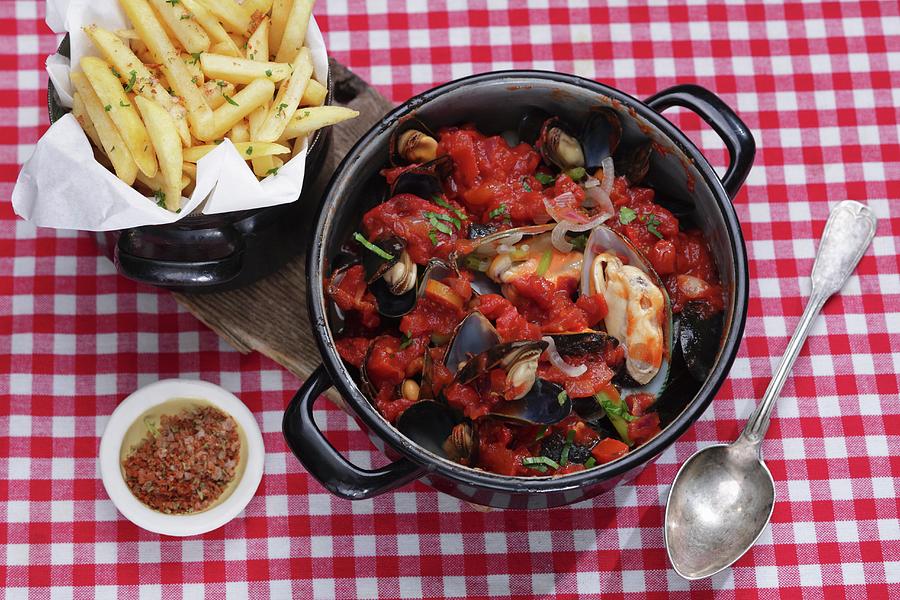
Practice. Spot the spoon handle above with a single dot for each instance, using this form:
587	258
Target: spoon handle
848	232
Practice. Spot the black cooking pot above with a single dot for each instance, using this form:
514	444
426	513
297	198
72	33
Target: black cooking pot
494	102
211	253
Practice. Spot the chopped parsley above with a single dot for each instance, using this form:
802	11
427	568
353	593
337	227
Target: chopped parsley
442	217
577	173
614	409
251	56
525	184
229	100
544	178
195	57
268	72
272	171
652	222
217	142
221	84
564	455
539	463
546	257
499	211
194	80
160	198
130	85
116	73
108	107
562	397
305	114
372	247
123	104
626	215
185	17
249	150
407	340
280	111
590	463
173	2
444	204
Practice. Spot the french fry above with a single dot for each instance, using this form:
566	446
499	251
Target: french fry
280	11
127	34
145	83
223	48
294	30
180	21
233	16
121	111
307	120
239	41
239	133
263	166
242	70
141	51
192	62
215	91
190	170
164	53
111	141
155	184
213	28
258	43
167	144
84	119
261	7
242	104
288	98
298	145
248	149
314	94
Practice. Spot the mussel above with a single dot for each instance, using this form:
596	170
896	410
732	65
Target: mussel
472	336
412	142
584	342
423	180
639	312
391	280
562	145
699	335
441	430
634	163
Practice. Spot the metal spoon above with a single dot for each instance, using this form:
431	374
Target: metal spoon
722	498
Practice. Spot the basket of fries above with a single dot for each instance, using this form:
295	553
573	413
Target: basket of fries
184	132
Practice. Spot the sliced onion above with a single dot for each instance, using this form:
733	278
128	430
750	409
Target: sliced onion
561	209
600	200
590	182
558	237
558	362
609	174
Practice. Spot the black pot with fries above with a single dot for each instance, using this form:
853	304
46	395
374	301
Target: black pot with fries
205	253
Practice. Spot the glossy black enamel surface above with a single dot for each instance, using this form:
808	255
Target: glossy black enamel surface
493	101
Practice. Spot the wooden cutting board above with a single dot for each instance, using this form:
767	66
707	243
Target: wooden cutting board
279	326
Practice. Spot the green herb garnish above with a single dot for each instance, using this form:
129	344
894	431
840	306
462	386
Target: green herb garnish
221	84
525	185
195	56
433	215
577	173
652	222
562	397
229	100
476	264
407	340
579	242
130	85
217	142
107	108
626	215
444	204
249	150
115	72
150	424
173	2
436	222
123	104
372	247
546	257
268	72
536	462
590	463
614	409
564	455
433	238
160	198
540	435
544	178
272	171
194	80
185	17
280	111
500	210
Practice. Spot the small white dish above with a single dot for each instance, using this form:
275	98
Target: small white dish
136	405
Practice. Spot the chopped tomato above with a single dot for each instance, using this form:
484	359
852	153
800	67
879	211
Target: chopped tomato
391	404
597	376
497	451
388	364
510	324
348	290
429	317
594	308
642	429
609	450
405	216
353	349
639	403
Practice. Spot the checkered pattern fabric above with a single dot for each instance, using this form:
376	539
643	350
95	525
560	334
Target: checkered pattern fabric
819	85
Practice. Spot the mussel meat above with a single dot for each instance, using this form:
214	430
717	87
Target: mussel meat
412	142
559	143
391	280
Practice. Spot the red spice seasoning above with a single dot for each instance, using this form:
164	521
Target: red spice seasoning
185	464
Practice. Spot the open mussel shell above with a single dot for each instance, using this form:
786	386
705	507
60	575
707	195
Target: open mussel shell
409	142
440	430
558	144
375	265
392	281
423	180
600	137
506	356
531	124
700	336
634	163
474	335
337	319
604	239
540	406
489	245
584	342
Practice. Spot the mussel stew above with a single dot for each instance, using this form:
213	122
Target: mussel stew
520	303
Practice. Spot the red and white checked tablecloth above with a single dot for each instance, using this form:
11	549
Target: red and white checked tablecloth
819	85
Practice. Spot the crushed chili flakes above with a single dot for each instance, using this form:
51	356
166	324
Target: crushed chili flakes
186	462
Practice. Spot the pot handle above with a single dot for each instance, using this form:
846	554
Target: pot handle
712	109
340	476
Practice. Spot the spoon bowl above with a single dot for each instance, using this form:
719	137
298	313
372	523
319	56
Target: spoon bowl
720	513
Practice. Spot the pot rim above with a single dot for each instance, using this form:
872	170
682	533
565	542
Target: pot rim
492	481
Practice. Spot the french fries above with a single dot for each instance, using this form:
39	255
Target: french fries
189	73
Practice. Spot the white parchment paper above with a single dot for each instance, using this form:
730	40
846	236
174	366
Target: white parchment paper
63	187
